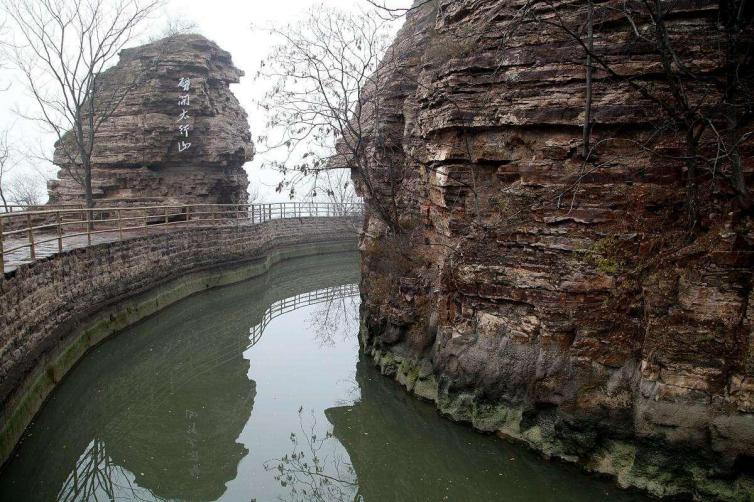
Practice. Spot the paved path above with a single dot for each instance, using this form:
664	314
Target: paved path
15	259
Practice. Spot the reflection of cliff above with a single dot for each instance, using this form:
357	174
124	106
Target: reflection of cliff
163	403
383	431
181	401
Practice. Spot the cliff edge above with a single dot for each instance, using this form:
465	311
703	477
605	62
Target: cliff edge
595	303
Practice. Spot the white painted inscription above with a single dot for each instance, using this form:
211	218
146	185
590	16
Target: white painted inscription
184	127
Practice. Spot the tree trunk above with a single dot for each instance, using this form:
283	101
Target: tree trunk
88	197
739	182
692	198
589	72
732	98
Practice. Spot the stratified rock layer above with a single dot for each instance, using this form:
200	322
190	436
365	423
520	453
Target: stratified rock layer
560	301
136	156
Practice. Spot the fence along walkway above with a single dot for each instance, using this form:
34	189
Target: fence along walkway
26	236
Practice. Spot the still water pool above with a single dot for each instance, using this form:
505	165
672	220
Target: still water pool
257	392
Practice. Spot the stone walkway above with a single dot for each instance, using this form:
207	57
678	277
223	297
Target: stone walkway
15	259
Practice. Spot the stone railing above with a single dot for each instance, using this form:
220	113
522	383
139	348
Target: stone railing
27	230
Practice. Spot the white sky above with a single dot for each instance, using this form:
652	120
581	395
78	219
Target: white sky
227	22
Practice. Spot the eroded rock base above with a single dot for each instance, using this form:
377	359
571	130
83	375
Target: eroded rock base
650	466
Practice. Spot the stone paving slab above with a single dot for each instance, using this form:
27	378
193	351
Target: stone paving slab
15	259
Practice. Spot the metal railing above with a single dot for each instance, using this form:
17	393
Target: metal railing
31	229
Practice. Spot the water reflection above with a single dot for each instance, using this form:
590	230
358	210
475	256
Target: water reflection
338	304
97	477
314	469
257	392
401	450
156	412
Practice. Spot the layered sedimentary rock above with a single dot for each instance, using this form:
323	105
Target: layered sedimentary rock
561	299
141	153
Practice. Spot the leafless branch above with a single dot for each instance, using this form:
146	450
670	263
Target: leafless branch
64	48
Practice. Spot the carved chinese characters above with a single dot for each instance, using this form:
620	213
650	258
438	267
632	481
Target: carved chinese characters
184	126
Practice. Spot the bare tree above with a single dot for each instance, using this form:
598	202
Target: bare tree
26	189
5	167
315	469
589	78
339	189
254	194
65	45
320	76
394	13
338	316
4	47
175	26
710	113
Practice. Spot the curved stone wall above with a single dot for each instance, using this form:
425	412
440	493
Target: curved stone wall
54	310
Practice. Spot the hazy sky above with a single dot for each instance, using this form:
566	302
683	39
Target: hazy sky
227	22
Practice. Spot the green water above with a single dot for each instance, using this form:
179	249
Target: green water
257	392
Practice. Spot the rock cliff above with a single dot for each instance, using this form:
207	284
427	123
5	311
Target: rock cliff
148	150
595	304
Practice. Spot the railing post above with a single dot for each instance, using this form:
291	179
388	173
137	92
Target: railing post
146	221
188	214
120	226
165	212
89	227
32	252
60	231
2	257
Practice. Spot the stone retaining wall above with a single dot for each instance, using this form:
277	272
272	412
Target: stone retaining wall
52	311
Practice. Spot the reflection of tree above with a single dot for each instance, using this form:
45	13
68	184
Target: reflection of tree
315	469
327	297
338	314
168	398
97	477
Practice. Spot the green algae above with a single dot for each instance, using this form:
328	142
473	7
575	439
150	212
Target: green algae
650	469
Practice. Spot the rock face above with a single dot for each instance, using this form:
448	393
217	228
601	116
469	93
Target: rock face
554	298
137	155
